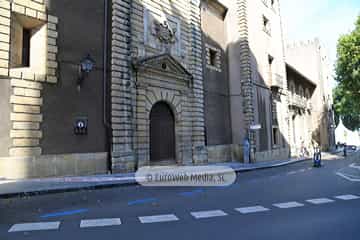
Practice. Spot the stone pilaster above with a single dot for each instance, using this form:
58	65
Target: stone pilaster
198	122
122	148
245	66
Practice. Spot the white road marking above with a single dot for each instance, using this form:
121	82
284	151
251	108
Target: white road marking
288	205
354	166
348	177
347	197
320	200
208	214
26	227
100	222
158	218
252	209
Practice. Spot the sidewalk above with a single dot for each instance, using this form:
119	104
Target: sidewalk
17	188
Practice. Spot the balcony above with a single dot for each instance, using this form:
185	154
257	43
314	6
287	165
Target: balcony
300	102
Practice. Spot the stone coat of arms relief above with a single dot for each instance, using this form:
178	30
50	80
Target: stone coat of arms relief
162	33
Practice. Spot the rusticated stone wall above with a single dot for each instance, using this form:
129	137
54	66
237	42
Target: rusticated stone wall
27	82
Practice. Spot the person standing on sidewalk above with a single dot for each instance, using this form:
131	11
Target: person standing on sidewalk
246	150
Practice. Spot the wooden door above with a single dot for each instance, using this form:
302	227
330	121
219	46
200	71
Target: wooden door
162	133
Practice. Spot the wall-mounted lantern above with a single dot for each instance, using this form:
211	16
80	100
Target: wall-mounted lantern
85	67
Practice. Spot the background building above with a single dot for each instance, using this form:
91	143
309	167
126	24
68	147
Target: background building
311	60
257	85
301	95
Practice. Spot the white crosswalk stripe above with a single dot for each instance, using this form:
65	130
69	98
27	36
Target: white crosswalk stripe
208	214
347	197
100	222
158	218
253	209
26	227
89	223
320	200
288	205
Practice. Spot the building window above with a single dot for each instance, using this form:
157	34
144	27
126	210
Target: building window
275	135
266	25
213	58
28	48
270	61
213	54
25	61
31	41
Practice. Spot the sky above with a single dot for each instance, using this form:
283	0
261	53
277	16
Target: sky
325	19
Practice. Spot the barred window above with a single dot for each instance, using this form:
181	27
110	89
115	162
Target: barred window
213	58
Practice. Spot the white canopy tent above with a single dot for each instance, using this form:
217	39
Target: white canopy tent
344	135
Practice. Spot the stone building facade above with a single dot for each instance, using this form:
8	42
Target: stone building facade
301	95
92	87
310	58
257	86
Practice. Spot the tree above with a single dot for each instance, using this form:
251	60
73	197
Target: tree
347	92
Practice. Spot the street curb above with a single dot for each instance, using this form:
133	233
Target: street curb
113	185
64	190
272	166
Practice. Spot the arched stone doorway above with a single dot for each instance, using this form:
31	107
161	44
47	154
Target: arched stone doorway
162	134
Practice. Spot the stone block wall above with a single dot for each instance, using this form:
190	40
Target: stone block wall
27	82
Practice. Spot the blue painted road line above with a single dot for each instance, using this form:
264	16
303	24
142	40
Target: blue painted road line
191	193
142	201
66	213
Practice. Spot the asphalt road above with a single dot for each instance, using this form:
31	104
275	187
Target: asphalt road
281	196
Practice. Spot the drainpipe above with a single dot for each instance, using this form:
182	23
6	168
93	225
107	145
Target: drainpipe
105	85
